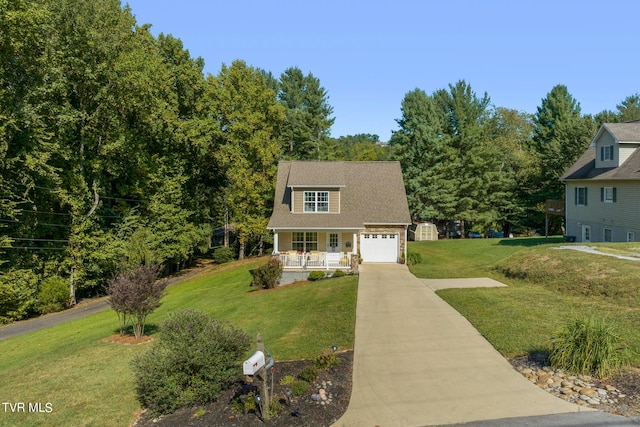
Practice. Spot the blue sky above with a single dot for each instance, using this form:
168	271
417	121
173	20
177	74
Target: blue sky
369	54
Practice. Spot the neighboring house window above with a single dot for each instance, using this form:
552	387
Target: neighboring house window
608	235
581	196
316	201
304	241
606	152
608	194
631	236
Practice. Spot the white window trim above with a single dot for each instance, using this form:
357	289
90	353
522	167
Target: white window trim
631	236
315	203
608	195
606	153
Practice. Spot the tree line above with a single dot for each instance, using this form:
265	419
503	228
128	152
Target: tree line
485	167
117	150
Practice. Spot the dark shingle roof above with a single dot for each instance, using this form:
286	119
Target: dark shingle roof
624	132
370	193
585	166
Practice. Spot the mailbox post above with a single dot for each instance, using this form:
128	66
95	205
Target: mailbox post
257	366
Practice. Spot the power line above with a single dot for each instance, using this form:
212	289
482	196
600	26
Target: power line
32	248
64	213
54	190
37	240
13	221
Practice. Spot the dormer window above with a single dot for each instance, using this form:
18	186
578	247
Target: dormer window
606	153
316	201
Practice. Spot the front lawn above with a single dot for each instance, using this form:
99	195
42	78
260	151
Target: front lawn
88	381
547	288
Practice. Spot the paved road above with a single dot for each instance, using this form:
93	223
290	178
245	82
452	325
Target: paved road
84	309
418	362
31	325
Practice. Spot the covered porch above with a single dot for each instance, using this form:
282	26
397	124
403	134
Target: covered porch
315	249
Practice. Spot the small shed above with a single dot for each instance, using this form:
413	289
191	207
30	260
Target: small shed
423	231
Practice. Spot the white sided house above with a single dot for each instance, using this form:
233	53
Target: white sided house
603	187
327	215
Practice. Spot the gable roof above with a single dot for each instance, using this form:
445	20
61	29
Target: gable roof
622	132
585	166
370	193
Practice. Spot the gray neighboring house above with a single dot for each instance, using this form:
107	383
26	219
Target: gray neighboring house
603	187
326	214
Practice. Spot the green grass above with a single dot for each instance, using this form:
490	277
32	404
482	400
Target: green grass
89	382
547	289
467	257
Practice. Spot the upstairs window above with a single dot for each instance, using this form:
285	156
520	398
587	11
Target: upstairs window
316	201
606	152
608	195
581	196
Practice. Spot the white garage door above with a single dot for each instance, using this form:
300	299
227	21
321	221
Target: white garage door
379	247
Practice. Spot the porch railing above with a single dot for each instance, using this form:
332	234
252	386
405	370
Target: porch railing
315	260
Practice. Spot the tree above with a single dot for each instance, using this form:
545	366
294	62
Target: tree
248	119
427	158
465	116
629	109
308	114
509	132
560	135
135	294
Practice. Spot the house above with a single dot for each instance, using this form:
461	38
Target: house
603	187
327	214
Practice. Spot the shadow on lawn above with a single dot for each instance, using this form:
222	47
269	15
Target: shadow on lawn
531	241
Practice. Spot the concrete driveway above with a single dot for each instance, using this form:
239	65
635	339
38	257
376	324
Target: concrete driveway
418	362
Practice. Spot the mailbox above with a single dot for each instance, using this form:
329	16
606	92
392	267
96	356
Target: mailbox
253	364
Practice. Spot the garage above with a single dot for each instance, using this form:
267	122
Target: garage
379	247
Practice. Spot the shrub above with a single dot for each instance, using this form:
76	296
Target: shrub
193	360
299	388
587	346
18	290
338	273
414	258
316	275
287	380
222	255
308	374
268	275
53	295
135	294
325	360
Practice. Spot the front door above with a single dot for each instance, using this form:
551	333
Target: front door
333	242
586	233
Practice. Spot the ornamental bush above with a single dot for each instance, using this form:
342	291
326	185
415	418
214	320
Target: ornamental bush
268	275
192	361
316	275
53	295
338	273
587	346
414	258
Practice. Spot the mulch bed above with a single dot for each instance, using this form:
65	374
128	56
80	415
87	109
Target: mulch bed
302	410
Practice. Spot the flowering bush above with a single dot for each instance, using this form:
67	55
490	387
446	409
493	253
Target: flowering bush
193	360
268	275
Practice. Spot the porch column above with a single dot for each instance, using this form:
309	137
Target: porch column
275	243
355	243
